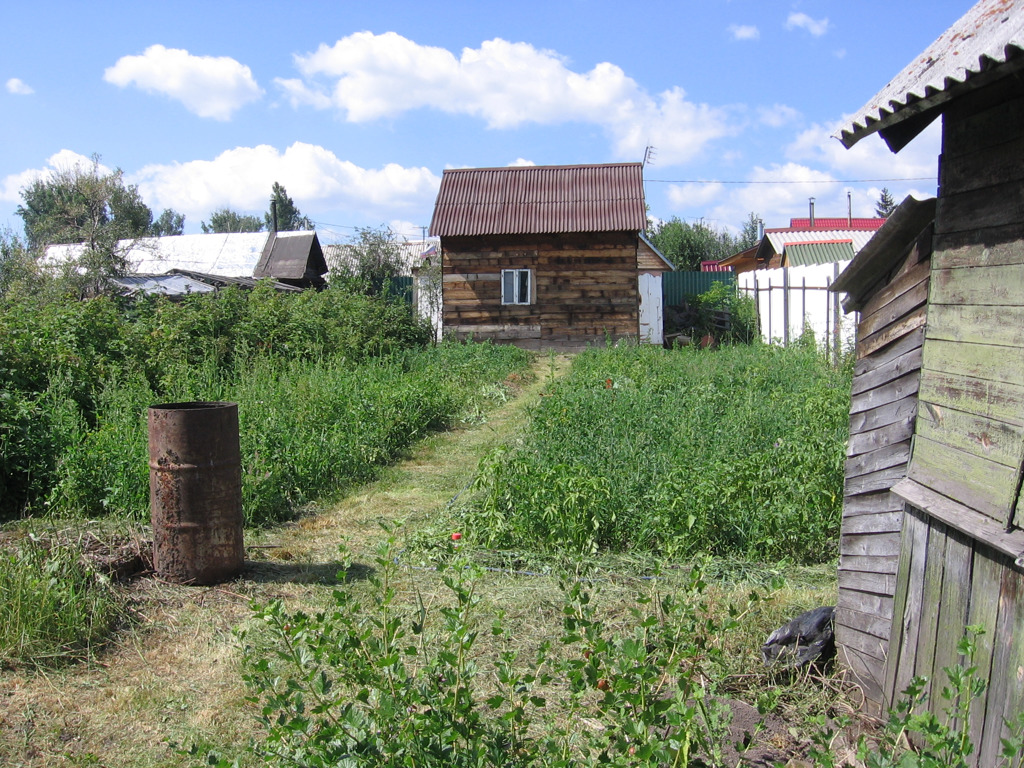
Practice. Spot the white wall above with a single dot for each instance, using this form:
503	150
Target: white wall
809	304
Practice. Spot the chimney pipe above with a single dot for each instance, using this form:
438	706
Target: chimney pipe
760	230
273	213
812	211
849	208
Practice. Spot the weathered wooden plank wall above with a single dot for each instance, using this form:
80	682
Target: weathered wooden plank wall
947	582
585	289
960	537
883	406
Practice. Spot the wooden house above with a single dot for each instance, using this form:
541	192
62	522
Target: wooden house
548	256
956	286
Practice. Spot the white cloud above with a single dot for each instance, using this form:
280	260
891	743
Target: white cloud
870	158
208	86
744	32
19	87
818	166
694	194
64	160
371	77
777	115
241	179
816	27
520	162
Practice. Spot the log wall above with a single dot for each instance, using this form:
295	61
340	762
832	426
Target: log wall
883	405
585	289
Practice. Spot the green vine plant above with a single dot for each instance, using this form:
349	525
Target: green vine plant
386	683
914	736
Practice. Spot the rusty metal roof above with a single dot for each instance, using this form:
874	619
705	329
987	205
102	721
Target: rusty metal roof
986	43
540	200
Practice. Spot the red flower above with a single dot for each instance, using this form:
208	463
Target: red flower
456	536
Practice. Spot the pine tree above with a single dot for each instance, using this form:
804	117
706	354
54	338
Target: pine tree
885	205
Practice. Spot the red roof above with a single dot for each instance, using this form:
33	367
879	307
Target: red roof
840	223
540	200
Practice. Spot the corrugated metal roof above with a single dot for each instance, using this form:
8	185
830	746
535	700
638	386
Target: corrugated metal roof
182	283
836	223
988	38
779	239
540	199
829	252
235	254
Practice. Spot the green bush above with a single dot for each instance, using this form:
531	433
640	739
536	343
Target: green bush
374	683
735	451
330	386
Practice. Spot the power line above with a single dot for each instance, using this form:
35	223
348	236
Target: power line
805	181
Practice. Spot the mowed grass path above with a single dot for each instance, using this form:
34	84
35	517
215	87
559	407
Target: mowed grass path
173	675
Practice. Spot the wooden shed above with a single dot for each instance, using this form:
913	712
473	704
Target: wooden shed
953	491
548	256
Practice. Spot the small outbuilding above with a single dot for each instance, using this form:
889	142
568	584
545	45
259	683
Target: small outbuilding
933	528
548	256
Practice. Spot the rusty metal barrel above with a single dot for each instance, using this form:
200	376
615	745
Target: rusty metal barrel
195	492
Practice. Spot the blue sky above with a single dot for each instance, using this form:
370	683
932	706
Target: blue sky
358	107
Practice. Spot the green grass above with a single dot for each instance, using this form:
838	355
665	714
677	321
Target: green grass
737	451
54	606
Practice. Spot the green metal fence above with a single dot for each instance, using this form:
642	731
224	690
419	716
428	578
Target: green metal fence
678	286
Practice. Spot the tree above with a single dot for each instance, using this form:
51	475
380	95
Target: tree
170	222
288	217
369	262
687	245
749	232
885	205
224	220
83	205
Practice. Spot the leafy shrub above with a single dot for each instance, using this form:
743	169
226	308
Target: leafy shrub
737	451
742	310
328	384
373	683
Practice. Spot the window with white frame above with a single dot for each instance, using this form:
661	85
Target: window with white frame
515	286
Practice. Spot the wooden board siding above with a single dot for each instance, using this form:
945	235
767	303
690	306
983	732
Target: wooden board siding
970	423
584	290
946	582
890	335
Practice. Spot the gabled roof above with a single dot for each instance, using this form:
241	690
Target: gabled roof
540	200
776	241
290	256
985	44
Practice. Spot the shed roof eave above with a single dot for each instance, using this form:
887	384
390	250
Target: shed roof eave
906	223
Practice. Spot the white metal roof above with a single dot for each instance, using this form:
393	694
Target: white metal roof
779	240
234	254
989	36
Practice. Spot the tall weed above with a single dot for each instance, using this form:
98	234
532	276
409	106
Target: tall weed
54	607
735	451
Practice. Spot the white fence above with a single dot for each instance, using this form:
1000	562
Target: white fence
792	299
